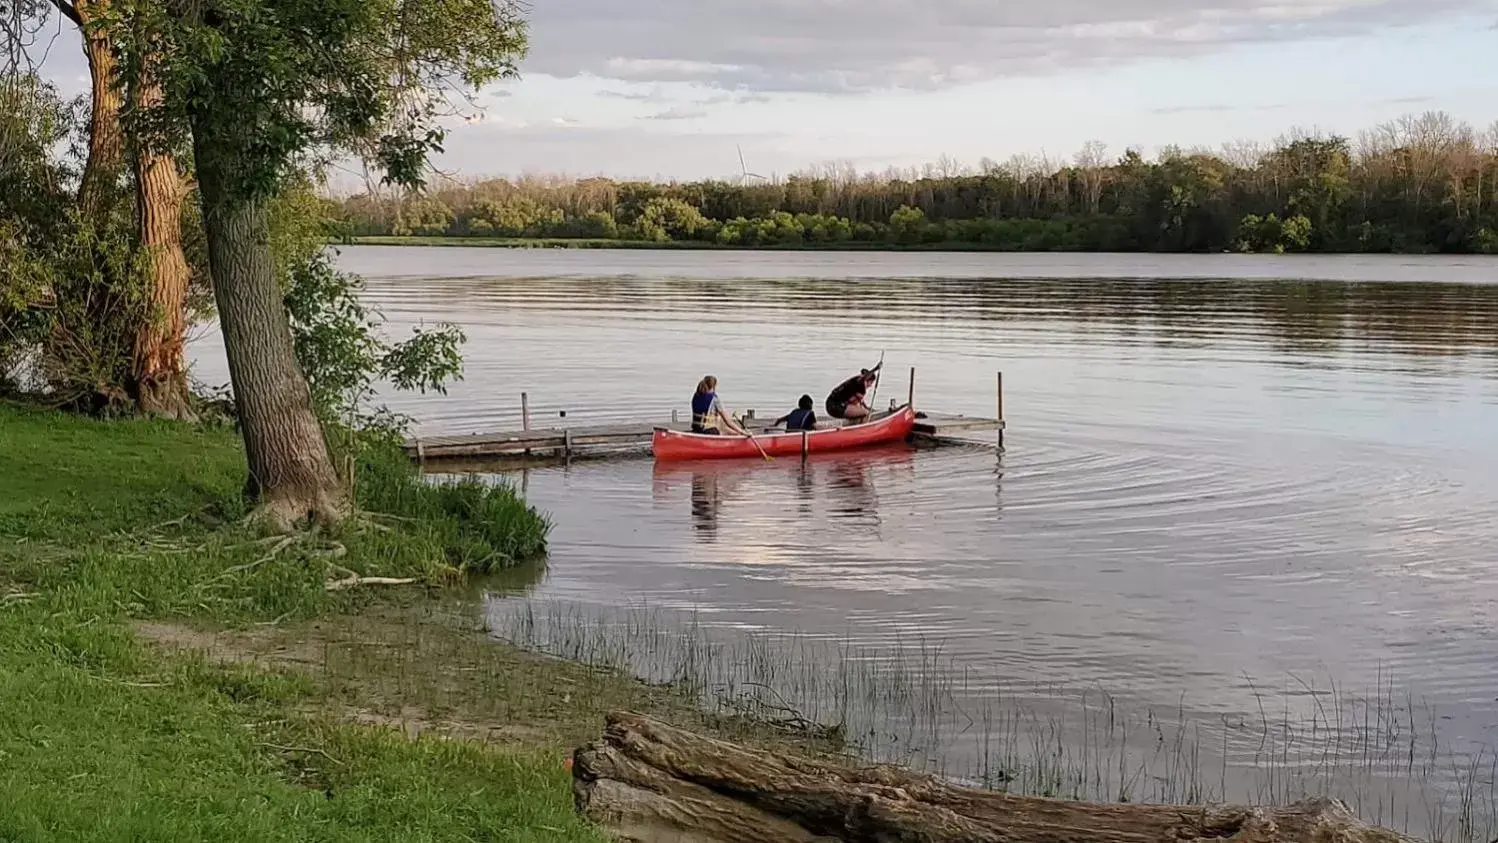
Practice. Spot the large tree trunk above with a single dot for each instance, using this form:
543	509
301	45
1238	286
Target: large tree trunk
650	782
291	474
106	149
159	377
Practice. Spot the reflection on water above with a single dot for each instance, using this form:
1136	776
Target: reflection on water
843	482
518	581
1220	489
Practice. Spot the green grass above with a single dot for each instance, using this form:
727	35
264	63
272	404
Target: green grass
103	737
67	477
100	740
475	527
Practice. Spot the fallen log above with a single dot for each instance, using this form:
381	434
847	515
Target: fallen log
647	781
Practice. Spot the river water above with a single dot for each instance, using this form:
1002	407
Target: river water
1248	502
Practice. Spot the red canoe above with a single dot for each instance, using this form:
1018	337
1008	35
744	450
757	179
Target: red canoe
675	445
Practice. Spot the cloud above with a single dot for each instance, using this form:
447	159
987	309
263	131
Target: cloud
653	150
652	95
677	113
735	97
860	45
1191	109
657	94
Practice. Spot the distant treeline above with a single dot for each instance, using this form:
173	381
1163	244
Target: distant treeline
1423	183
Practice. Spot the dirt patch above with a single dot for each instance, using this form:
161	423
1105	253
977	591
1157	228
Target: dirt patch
268	645
415	722
430	670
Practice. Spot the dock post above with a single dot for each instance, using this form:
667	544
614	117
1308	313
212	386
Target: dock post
525	417
673	416
1000	408
567	444
910	399
421	456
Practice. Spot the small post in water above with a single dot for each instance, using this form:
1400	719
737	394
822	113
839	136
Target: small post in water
525	417
910	399
1000	408
673	416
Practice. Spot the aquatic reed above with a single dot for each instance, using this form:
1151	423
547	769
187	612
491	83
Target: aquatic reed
912	703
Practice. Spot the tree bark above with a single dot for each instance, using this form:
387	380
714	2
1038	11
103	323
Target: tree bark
650	782
106	151
159	376
291	474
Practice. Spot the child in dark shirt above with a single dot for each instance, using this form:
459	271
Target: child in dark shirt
801	418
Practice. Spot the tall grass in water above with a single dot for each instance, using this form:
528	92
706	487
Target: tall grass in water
914	704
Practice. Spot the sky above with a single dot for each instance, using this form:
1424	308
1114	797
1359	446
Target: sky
673	89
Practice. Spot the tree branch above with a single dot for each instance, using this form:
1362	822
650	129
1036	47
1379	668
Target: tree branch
69	11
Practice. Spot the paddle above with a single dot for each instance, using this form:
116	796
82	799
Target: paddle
877	379
757	446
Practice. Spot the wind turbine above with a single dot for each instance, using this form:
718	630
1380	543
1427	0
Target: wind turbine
745	175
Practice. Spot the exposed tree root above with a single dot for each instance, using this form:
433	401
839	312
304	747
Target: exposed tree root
312	545
309	750
175	522
281	543
284	512
364	513
306	543
353	580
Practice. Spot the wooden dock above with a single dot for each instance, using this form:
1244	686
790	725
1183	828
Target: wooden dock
578	440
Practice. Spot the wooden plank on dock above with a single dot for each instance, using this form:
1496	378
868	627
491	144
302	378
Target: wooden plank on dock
943	424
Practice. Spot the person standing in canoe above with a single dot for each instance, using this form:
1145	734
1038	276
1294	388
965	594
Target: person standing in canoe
707	413
847	400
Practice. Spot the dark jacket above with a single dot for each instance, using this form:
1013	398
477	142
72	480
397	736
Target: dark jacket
847	392
799	420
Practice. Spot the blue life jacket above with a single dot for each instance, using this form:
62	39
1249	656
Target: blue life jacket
800	420
702	405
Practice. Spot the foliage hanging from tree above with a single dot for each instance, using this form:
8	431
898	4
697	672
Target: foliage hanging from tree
263	89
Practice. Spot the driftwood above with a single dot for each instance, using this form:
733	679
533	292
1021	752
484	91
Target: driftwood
646	781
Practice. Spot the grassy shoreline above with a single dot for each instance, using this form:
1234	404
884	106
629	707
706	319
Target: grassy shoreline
167	675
